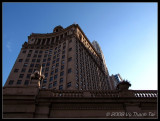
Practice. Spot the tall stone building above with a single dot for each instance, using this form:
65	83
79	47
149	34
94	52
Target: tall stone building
61	75
99	50
68	59
115	80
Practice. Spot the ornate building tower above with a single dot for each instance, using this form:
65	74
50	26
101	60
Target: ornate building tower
98	49
68	59
61	75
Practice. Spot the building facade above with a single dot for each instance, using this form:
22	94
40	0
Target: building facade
32	102
115	79
74	85
99	50
68	59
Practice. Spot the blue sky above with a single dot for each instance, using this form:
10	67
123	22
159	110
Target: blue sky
126	32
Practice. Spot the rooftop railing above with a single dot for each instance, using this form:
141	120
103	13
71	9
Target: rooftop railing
103	94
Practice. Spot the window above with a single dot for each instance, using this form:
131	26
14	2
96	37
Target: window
28	76
29	55
52	72
57	59
30	51
45	55
62	67
26	82
63	52
39	56
44	60
34	70
20	60
25	65
55	83
46	51
45	81
43	87
23	70
63	62
41	51
51	79
46	74
69	59
69	70
54	57
49	59
21	75
36	51
33	60
49	55
16	70
42	69
38	60
24	51
35	55
56	70
62	73
55	76
36	65
27	60
11	82
59	50
57	64
63	56
30	70
48	64
32	65
43	65
70	49
50	51
61	87
19	81
47	69
61	80
77	85
50	85
68	84
53	66
53	62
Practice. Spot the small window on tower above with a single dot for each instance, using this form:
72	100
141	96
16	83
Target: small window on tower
69	70
19	81
61	87
68	84
26	82
20	60
16	70
11	82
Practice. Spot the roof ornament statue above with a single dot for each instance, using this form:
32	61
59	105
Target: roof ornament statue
37	74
